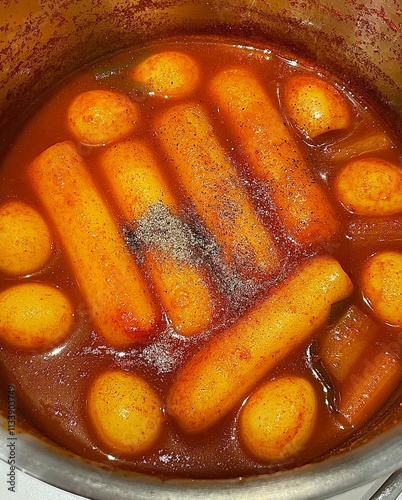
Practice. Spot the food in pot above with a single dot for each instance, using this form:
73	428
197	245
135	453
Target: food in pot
115	289
212	185
279	418
125	412
370	186
99	116
277	162
316	106
25	239
220	375
382	285
137	182
170	74
34	316
200	263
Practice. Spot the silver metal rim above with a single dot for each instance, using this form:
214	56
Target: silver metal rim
339	473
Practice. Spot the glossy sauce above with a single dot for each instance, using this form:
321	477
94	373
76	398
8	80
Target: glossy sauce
51	386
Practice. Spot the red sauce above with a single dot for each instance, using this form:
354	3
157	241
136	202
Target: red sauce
51	386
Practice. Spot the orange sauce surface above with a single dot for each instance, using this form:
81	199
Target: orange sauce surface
52	385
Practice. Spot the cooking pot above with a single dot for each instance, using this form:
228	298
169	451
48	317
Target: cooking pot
360	42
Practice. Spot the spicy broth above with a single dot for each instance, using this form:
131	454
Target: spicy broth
52	385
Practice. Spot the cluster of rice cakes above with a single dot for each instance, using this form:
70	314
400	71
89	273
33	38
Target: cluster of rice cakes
172	250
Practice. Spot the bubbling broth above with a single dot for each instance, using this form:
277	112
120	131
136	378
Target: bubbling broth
201	261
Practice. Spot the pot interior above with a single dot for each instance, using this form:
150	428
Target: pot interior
41	44
361	45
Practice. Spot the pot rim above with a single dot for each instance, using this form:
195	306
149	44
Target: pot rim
333	475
